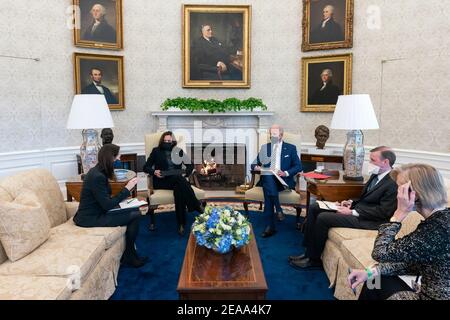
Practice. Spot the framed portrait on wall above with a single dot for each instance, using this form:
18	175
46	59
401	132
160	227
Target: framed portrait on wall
324	79
98	24
216	46
327	24
100	74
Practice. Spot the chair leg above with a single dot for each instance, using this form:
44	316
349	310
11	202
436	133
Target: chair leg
151	213
245	207
260	206
299	226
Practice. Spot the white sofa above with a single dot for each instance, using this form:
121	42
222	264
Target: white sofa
73	263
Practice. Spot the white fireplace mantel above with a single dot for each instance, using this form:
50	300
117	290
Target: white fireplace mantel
169	120
245	127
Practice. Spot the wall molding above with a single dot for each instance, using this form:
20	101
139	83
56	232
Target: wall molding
63	164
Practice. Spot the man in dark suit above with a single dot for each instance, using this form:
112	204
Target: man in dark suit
210	60
282	158
328	93
376	205
328	30
97	88
99	30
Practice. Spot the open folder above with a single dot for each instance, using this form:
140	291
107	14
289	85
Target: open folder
327	205
129	205
269	171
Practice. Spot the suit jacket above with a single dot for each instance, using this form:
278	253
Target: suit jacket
95	199
330	33
289	161
205	55
103	33
92	89
379	204
329	95
157	161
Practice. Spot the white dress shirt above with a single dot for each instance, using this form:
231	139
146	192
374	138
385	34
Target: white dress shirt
278	156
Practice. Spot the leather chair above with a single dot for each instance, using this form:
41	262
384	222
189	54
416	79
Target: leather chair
287	197
156	198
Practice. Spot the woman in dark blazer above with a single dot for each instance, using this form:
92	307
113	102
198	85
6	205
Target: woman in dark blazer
164	164
424	252
96	201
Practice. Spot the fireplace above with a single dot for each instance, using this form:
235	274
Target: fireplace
219	166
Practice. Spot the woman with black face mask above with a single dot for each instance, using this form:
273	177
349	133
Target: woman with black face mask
164	164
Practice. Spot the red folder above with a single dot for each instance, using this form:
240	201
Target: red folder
315	175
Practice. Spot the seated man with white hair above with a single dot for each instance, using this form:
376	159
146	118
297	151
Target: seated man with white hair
99	29
282	158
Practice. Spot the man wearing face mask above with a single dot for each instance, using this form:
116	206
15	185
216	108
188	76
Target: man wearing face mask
282	158
164	164
376	206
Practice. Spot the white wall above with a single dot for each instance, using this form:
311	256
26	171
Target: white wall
409	94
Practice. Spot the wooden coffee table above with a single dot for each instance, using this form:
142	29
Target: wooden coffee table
207	275
74	185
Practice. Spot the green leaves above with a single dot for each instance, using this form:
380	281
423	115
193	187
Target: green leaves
212	105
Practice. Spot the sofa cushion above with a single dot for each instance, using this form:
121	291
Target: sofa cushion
338	235
45	186
166	196
71	209
34	288
110	235
358	252
63	255
24	225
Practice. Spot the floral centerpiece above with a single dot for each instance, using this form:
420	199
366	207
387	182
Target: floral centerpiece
221	229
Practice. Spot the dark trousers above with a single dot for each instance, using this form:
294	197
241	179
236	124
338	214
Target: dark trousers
318	222
271	187
389	286
183	193
127	218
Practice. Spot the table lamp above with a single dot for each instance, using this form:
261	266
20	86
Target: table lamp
355	113
89	112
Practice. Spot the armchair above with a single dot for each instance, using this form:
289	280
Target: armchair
162	197
287	197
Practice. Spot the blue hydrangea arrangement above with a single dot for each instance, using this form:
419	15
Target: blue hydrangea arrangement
221	229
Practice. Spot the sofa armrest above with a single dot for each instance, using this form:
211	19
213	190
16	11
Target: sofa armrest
71	209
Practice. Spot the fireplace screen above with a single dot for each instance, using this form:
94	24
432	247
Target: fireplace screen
219	166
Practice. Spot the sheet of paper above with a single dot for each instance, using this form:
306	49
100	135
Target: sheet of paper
327	205
132	203
269	171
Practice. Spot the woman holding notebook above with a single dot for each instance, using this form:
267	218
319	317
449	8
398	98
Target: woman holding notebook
96	203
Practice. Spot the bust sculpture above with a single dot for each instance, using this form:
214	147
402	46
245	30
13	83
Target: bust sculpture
322	133
107	136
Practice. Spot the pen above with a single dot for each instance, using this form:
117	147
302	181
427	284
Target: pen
129	201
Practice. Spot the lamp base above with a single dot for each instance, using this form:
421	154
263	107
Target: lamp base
353	178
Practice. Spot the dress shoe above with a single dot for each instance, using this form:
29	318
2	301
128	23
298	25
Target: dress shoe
268	233
305	263
181	230
300	257
280	216
132	262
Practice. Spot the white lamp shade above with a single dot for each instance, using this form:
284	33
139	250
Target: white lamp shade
89	111
354	112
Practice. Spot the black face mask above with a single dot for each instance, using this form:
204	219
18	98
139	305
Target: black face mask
167	145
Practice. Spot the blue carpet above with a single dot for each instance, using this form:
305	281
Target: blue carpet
158	279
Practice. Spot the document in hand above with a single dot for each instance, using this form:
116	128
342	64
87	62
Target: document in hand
268	171
132	203
327	205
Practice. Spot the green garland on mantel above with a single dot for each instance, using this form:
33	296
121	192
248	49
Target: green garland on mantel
212	105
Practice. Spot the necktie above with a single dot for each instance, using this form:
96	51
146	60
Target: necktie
273	159
372	183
